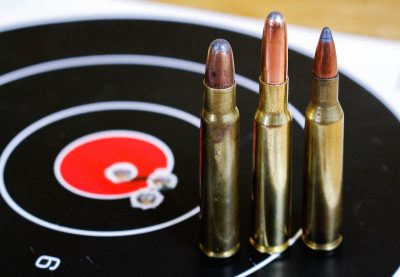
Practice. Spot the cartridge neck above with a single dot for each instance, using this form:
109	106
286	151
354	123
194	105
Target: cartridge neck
325	91
273	98
219	101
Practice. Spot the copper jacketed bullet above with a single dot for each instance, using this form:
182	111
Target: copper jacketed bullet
323	207
271	194
219	155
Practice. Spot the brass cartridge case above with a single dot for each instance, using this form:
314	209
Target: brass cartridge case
323	201
219	166
271	194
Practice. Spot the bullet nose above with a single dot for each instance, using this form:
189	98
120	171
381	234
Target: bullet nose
325	62
220	68
274	50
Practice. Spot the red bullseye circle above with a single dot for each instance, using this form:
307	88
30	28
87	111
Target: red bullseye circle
81	166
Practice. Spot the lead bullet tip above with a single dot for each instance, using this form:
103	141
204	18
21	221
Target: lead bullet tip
325	62
276	18
220	68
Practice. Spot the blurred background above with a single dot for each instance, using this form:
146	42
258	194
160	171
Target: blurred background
375	18
364	17
366	32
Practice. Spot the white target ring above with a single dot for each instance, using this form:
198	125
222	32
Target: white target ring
84	109
144	60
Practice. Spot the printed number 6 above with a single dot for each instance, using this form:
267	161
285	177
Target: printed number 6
48	262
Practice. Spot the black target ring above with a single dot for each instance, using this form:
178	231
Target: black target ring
370	128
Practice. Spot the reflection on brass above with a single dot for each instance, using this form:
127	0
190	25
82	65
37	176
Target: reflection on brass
323	207
219	165
271	195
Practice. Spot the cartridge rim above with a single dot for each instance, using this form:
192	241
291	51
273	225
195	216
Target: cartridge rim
269	249
322	247
224	254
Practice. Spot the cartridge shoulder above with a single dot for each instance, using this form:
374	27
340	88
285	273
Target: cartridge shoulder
324	114
215	118
273	119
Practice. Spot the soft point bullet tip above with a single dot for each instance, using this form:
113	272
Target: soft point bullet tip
220	69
